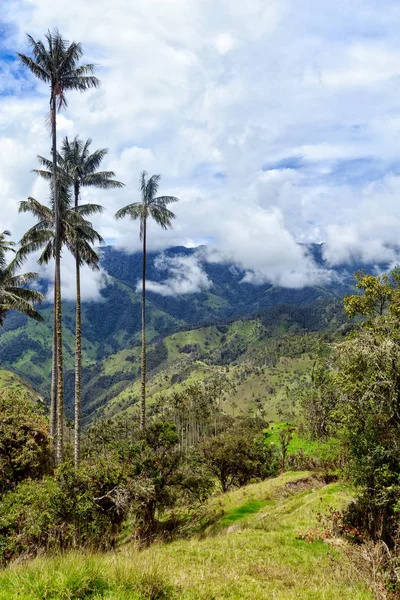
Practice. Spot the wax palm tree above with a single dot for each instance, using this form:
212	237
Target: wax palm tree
14	295
56	63
78	235
155	208
78	168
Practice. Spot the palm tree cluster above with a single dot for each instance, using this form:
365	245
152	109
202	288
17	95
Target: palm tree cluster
65	222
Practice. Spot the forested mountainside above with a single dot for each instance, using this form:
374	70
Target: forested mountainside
111	326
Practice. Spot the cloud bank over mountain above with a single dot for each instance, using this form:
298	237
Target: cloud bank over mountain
185	276
274	122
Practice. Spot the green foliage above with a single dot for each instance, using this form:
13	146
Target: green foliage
367	379
14	292
30	519
285	437
318	401
381	293
262	556
237	457
355	394
24	440
155	474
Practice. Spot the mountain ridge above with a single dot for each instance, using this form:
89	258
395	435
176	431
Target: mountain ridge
112	324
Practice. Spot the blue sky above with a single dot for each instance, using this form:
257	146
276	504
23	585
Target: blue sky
274	122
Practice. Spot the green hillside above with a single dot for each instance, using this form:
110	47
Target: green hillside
254	549
112	324
263	361
11	381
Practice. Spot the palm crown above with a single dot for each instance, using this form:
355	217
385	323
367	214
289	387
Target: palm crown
151	205
76	232
78	167
58	65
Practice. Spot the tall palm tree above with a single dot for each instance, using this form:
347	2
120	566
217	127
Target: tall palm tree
57	64
78	168
155	207
14	295
78	235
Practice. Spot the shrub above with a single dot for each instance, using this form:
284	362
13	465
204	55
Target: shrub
24	440
76	507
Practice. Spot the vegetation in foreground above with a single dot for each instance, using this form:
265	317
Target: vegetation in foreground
255	548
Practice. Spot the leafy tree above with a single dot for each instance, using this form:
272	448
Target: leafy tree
14	295
358	392
77	234
154	207
78	168
367	368
157	473
318	402
237	457
56	63
381	293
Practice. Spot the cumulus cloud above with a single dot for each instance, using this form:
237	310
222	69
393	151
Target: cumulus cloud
273	122
186	276
92	282
265	250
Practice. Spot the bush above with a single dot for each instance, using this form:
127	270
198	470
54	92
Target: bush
24	440
29	519
75	507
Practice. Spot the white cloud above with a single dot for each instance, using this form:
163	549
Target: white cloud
224	42
261	246
258	115
186	276
92	282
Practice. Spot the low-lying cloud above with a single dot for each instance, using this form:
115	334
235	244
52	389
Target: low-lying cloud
92	282
261	246
186	276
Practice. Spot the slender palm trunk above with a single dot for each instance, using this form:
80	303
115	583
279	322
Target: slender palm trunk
53	400
58	310
78	352
143	382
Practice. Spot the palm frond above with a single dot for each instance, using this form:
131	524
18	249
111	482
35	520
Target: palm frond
135	211
162	216
47	175
102	179
152	187
93	161
38	210
36	69
79	82
164	200
85	210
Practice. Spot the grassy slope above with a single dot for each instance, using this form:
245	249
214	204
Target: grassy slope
253	551
11	381
265	387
